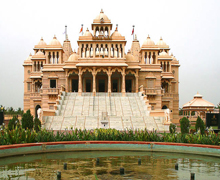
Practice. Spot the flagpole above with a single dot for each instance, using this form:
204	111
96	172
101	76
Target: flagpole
66	31
133	32
82	28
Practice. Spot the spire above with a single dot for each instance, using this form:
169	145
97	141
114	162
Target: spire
116	27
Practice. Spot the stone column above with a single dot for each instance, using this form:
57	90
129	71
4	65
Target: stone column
80	82
143	58
94	81
136	79
115	51
123	81
109	81
32	86
67	88
109	50
152	60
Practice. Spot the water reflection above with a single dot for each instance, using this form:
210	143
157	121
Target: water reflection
83	165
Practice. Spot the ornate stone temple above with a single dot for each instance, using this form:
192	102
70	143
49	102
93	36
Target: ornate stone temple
101	67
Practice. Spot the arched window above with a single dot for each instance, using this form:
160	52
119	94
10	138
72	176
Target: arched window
96	31
106	31
36	108
164	107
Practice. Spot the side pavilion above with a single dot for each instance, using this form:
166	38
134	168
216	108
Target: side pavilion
197	107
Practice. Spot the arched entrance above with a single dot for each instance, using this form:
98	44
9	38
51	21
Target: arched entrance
36	108
102	82
74	81
87	81
116	81
129	82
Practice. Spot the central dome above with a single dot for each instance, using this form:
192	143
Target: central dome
148	42
55	42
101	18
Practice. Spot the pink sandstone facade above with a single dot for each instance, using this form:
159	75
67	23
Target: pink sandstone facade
102	65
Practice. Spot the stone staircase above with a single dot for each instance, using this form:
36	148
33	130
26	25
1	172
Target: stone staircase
86	112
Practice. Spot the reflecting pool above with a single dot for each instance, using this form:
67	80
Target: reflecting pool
85	165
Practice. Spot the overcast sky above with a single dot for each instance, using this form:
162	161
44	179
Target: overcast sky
190	27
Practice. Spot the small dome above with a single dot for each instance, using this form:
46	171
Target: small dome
39	53
87	33
198	95
73	57
101	18
161	42
129	56
42	42
28	58
163	53
116	33
148	42
55	42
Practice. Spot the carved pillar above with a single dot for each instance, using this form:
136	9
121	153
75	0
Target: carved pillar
136	76
109	81
123	81
80	82
94	81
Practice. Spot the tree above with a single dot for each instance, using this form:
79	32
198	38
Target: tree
184	125
13	123
200	125
180	111
37	124
27	120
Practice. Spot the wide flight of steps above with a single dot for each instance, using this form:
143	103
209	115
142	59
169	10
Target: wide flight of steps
86	112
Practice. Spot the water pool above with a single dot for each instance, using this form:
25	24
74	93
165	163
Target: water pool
83	165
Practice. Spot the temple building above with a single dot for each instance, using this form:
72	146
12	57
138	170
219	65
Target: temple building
101	65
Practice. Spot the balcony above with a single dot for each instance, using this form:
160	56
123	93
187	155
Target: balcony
52	91
151	91
167	95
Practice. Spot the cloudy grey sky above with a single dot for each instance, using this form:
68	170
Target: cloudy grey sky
190	27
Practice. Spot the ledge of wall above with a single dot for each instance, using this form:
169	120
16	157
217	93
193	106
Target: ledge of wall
34	148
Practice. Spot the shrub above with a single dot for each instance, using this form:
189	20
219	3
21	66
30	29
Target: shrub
27	120
184	125
172	128
200	125
13	122
37	124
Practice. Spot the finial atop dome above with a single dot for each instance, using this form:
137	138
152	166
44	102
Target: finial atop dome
161	38
116	27
54	37
30	54
102	11
171	54
148	37
135	37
